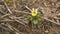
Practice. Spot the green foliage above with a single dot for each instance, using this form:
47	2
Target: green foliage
9	2
35	19
20	1
29	18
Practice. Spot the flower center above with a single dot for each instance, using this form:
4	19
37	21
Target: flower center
34	12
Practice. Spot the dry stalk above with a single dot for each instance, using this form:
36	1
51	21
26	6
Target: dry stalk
7	7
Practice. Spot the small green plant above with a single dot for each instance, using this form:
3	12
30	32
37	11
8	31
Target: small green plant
35	16
9	2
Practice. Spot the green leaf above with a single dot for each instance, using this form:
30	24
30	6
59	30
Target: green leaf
9	2
29	18
40	12
35	21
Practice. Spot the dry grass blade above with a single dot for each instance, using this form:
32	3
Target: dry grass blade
1	11
16	19
16	30
28	8
7	29
6	20
4	15
7	7
17	11
58	21
10	28
50	20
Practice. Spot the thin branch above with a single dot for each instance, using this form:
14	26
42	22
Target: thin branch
10	28
22	12
7	29
16	20
57	18
50	20
7	7
16	30
57	21
1	11
6	20
4	15
19	18
28	8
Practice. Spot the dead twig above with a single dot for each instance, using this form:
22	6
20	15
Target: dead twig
28	8
7	29
16	30
4	15
1	11
21	12
7	7
6	20
14	18
10	28
50	20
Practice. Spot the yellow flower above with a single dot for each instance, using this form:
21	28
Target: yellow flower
34	12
